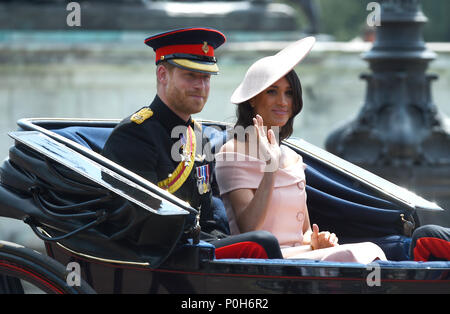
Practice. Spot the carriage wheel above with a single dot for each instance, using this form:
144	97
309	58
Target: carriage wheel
41	271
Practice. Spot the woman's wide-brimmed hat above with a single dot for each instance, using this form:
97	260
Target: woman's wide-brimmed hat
266	71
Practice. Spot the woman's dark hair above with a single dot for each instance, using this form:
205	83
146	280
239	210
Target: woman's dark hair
245	112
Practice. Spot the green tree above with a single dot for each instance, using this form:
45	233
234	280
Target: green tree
344	19
438	26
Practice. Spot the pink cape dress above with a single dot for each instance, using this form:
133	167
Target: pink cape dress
287	209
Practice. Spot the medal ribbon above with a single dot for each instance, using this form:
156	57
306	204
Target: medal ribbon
182	171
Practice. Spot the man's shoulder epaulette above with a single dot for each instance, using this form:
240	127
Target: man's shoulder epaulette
141	115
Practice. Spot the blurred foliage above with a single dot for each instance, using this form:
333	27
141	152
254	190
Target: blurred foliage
438	26
346	19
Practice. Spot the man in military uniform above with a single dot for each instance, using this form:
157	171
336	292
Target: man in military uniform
163	144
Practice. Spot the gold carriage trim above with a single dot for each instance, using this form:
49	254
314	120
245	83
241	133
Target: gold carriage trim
176	179
101	259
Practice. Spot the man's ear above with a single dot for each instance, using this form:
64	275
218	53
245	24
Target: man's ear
162	74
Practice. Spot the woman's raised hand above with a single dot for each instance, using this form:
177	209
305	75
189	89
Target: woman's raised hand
268	148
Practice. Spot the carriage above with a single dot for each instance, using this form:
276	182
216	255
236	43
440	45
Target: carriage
122	233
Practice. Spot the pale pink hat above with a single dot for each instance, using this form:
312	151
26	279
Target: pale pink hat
268	70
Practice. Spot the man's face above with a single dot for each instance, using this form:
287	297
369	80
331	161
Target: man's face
186	92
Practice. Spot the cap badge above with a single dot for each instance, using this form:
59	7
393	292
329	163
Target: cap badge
205	47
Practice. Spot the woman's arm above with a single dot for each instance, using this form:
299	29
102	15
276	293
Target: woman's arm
250	206
307	232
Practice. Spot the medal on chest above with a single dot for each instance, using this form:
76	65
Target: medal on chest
186	154
202	175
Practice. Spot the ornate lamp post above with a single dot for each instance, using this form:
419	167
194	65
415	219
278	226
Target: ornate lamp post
399	132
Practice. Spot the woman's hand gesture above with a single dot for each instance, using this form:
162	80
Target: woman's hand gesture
268	148
321	240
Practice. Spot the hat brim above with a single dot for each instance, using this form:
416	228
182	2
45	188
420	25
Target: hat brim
196	66
268	70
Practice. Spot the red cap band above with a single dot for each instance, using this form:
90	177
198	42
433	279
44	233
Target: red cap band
198	49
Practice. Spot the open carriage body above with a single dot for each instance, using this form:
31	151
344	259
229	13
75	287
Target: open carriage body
126	233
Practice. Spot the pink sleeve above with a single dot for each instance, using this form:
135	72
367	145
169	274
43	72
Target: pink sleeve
233	174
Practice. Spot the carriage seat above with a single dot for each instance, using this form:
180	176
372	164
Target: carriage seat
90	137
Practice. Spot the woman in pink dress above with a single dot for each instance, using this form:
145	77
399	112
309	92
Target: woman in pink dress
262	183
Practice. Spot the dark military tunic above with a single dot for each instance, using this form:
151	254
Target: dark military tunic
146	145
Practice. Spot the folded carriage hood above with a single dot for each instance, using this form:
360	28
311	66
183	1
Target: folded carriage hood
55	188
369	179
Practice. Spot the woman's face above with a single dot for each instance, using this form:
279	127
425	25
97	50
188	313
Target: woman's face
274	104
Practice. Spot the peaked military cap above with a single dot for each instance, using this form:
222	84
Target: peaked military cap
188	48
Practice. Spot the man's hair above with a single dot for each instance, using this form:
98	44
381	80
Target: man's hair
165	64
168	65
245	113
